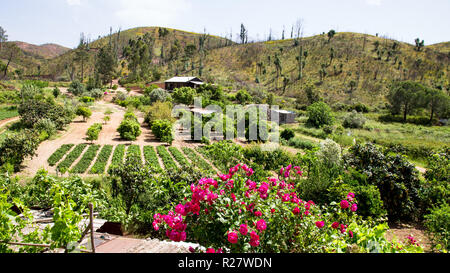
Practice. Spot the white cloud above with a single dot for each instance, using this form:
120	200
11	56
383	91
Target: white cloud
74	2
373	2
151	12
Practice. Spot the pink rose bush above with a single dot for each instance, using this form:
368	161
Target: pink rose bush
236	214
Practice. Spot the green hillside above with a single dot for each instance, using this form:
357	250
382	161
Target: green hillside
346	68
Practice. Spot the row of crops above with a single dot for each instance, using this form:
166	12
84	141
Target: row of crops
94	159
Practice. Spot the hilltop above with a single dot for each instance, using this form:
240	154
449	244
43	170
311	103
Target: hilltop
45	51
346	68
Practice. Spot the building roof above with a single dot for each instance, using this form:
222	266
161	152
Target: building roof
184	79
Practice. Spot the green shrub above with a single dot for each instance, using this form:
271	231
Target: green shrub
159	94
354	120
287	134
129	128
159	111
84	112
319	114
162	129
46	125
93	131
115	87
395	177
87	99
438	225
76	88
301	143
184	95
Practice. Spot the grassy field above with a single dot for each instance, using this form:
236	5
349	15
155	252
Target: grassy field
414	139
8	112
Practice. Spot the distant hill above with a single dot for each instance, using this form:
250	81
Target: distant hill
45	51
348	68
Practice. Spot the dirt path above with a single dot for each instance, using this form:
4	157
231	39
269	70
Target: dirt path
5	122
401	231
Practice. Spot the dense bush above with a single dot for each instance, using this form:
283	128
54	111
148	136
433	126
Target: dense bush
184	95
268	160
240	215
395	177
159	111
84	112
162	129
287	134
438	225
354	120
15	147
34	110
46	125
129	128
319	114
76	88
159	94
93	131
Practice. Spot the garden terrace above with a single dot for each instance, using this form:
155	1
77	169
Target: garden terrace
86	160
151	158
71	157
196	159
119	153
102	159
168	161
179	157
134	151
59	154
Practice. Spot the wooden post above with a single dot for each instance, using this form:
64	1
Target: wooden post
91	224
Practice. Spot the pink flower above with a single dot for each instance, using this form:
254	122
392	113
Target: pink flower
344	204
263	188
233	197
232	237
286	197
350	233
191	249
320	224
258	214
155	225
254	243
354	207
254	236
243	229
272	210
296	211
180	210
261	225
335	225
210	250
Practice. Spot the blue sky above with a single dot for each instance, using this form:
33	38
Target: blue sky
62	21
